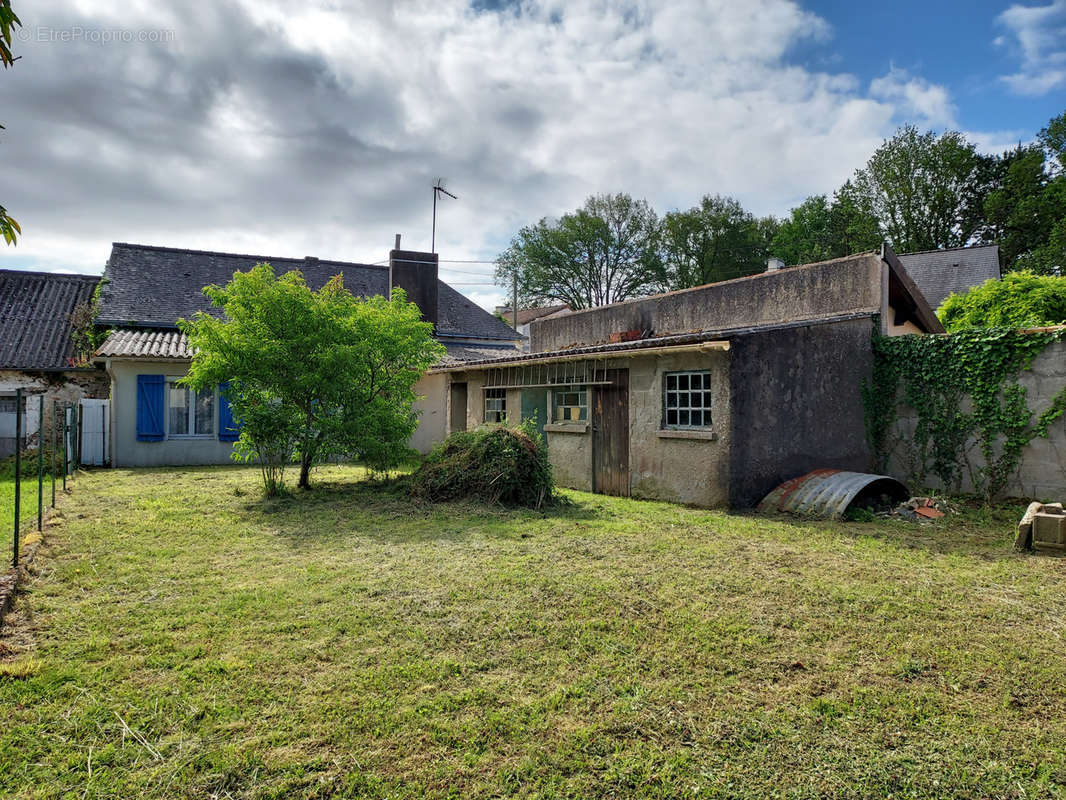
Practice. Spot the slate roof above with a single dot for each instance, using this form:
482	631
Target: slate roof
167	343
35	312
939	273
152	287
527	315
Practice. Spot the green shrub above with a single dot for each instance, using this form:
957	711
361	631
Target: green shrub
503	465
1018	300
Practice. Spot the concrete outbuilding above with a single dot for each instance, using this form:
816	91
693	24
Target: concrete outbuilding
709	396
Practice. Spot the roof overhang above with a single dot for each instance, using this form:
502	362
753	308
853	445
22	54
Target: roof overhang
905	296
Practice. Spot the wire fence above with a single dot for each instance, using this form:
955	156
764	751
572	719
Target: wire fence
38	471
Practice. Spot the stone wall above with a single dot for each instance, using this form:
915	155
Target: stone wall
62	387
848	285
1042	473
797	404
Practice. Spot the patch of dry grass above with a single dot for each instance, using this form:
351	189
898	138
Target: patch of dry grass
191	640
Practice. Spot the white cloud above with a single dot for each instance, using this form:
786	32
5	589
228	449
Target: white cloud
318	128
1038	35
916	98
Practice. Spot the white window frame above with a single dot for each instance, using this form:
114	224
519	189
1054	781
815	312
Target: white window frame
173	379
583	405
496	405
685	403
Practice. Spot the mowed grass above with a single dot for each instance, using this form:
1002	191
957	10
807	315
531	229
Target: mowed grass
27	506
184	638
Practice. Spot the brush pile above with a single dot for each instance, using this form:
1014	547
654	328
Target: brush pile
498	465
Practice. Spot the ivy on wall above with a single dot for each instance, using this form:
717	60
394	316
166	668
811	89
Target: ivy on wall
964	393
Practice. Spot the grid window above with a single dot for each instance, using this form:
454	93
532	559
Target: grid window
687	400
570	404
496	405
190	412
7	404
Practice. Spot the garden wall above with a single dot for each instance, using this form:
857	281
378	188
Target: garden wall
1042	472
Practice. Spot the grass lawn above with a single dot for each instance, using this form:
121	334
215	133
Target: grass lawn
28	506
183	638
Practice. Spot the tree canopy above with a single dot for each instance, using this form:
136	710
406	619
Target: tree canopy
312	375
601	253
9	228
1019	300
715	241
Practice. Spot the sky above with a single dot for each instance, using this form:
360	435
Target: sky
318	128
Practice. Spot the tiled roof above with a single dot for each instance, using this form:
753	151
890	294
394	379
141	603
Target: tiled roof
939	273
35	312
145	343
155	286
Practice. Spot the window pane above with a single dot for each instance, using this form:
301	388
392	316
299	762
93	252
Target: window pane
205	411
671	399
682	381
682	418
706	399
178	412
671	417
682	399
697	418
671	382
696	381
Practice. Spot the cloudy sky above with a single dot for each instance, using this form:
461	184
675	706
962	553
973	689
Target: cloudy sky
318	128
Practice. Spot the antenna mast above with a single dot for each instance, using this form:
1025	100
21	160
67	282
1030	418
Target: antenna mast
438	188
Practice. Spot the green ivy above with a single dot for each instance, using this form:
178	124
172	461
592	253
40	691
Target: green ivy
964	392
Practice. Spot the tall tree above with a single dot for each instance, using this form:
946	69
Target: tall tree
313	375
819	229
9	228
717	240
601	253
926	191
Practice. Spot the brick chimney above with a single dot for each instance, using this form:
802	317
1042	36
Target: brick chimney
416	274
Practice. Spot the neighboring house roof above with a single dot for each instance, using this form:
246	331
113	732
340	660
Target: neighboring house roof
167	343
527	315
35	310
153	287
460	317
939	273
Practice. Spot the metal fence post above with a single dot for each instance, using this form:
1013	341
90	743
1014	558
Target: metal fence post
18	474
65	462
79	434
40	464
55	448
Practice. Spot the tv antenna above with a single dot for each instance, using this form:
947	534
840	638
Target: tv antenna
438	189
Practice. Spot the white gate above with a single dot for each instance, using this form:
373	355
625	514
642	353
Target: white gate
95	432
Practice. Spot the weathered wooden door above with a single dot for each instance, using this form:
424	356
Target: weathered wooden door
458	408
610	435
535	407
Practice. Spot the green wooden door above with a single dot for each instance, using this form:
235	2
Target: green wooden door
535	406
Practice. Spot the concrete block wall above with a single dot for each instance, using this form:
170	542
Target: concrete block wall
843	286
1042	472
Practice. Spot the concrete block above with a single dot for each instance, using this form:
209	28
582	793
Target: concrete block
1049	529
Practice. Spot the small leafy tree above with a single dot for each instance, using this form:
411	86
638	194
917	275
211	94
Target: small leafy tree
1018	300
312	375
9	228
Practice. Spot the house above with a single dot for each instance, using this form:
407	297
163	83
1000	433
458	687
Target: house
37	352
708	396
527	315
155	421
940	273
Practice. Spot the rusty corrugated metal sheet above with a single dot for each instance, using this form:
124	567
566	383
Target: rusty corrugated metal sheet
828	492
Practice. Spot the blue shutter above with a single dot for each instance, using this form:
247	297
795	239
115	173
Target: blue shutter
228	429
151	391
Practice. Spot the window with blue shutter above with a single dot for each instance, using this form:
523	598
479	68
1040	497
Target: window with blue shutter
151	392
229	430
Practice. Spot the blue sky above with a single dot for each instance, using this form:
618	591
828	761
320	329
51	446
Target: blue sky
963	46
318	128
